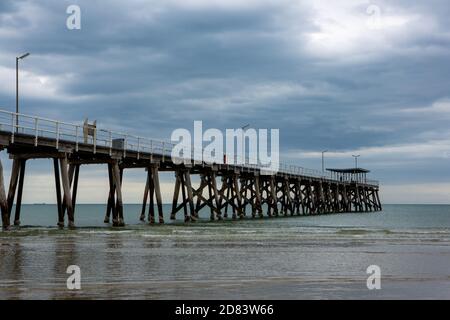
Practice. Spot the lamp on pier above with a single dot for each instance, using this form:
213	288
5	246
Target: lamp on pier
17	86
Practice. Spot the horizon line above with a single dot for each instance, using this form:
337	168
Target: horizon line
97	203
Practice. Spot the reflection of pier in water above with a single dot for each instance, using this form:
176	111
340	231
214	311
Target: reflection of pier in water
290	191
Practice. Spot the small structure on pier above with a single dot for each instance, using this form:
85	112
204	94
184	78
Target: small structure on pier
350	174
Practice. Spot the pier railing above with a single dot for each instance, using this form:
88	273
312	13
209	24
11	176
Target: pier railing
38	127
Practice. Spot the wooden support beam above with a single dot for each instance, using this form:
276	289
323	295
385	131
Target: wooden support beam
299	208
145	197
258	201
71	174
337	200
306	198
75	187
375	200
330	207
315	198
280	196
363	199
246	192
351	199
321	205
301	205
210	200
267	198
305	204
117	177
199	192
111	198
237	195
300	196
230	195
372	204
320	197
273	195
329	199
357	199
187	217
347	204
206	181
367	199
58	193
288	197
19	192
216	195
176	194
378	200
3	201
225	187
151	192
312	199
227	195
193	214
119	205
249	195
292	190
183	183
66	187
263	193
157	186
13	184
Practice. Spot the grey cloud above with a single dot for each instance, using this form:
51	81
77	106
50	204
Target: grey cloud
150	68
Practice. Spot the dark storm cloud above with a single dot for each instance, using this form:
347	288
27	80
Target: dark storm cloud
310	69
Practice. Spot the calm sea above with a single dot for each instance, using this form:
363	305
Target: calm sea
308	257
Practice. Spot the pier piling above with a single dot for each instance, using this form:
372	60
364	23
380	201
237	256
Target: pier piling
3	201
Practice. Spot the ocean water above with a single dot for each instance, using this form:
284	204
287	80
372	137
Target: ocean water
307	257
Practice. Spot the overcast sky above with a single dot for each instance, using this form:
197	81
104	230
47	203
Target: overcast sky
365	77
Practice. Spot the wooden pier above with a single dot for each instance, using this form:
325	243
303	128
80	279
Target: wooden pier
227	190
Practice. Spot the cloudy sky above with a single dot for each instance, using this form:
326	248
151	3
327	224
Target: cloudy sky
366	77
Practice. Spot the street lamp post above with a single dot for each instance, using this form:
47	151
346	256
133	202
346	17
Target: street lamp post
356	159
323	160
17	87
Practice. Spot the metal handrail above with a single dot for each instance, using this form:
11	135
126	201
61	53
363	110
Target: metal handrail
40	127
